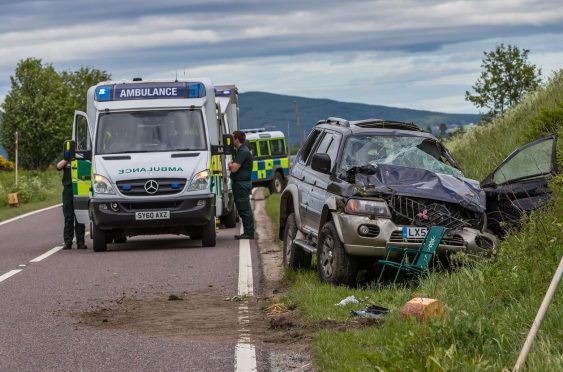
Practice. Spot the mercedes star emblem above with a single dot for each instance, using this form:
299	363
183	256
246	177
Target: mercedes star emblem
151	187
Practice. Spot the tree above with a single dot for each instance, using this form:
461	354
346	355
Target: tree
40	107
33	108
79	81
443	128
505	78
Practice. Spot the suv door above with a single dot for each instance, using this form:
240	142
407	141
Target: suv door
297	176
81	166
318	181
520	183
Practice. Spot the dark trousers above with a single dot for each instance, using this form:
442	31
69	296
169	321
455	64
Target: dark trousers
71	225
241	192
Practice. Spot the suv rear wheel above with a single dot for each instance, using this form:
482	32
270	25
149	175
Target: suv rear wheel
293	256
334	265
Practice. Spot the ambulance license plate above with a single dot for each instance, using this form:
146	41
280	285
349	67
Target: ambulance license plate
152	215
410	232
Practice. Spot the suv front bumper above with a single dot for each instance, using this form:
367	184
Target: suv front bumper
390	234
195	210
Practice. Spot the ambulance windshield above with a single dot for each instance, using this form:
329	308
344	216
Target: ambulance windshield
150	131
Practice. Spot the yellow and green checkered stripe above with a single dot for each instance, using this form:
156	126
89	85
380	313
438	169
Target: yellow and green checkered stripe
81	177
263	170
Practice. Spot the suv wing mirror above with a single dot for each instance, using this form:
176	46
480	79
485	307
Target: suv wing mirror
321	163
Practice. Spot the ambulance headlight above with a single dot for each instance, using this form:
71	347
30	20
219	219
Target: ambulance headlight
101	185
200	181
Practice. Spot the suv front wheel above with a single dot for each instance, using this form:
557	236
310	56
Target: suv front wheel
293	256
334	265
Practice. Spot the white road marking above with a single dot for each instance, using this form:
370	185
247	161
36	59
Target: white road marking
29	214
22	265
47	254
245	352
9	274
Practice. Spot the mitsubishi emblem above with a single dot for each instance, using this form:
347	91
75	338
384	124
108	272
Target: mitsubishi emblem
151	187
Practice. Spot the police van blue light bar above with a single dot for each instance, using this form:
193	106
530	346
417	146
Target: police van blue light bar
139	91
255	130
223	92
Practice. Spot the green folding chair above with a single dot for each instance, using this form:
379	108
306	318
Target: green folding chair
420	258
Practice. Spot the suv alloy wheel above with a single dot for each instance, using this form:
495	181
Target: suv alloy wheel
334	265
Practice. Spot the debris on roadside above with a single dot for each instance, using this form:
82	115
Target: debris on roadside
173	297
275	309
348	300
424	308
373	311
238	298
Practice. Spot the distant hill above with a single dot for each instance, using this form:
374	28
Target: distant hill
274	111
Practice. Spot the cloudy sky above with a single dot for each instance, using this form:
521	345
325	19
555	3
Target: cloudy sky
419	54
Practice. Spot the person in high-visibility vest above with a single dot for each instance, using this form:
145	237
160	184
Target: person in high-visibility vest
71	227
241	171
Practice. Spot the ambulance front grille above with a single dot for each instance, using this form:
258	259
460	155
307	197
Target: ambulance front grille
166	186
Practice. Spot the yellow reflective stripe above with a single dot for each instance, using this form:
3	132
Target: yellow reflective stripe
284	162
74	170
216	165
83	188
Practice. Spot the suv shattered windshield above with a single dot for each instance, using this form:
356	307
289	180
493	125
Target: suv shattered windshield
149	131
407	151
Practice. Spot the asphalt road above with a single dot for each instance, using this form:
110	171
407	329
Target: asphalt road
41	306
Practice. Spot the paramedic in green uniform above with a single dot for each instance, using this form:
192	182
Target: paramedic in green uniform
241	171
72	226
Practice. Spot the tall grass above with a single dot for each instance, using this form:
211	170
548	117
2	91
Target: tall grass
37	189
484	147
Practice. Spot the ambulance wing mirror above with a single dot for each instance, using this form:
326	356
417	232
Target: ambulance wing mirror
69	150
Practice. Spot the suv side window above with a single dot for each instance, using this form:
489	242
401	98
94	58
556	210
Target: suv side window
306	149
329	145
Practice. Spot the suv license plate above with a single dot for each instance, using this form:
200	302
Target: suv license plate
153	215
414	232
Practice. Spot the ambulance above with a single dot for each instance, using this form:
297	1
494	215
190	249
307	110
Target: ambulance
150	157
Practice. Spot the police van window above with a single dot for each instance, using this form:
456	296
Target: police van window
306	149
253	149
263	148
277	147
150	131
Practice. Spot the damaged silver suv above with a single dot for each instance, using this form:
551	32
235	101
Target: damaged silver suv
357	187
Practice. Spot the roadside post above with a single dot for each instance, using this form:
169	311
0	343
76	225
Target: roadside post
539	317
16	165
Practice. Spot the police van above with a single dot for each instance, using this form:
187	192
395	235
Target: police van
150	157
271	165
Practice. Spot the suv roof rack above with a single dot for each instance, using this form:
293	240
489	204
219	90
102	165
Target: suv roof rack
388	124
335	121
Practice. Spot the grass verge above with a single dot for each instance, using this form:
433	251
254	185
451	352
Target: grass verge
37	190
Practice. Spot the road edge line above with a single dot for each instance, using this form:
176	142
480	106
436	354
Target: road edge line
30	214
9	274
245	352
47	254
